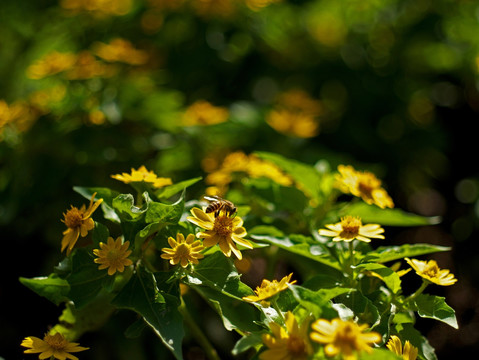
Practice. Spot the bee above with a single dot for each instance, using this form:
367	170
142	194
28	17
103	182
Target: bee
217	204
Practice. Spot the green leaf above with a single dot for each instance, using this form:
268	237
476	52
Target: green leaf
391	217
361	306
314	184
379	354
85	279
389	253
316	301
246	343
124	204
52	287
301	246
100	233
165	213
390	277
435	307
102	193
170	190
407	331
159	309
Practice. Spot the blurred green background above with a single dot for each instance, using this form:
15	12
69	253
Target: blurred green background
91	88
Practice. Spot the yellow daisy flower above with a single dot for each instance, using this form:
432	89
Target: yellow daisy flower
290	343
351	228
113	255
268	289
55	346
183	251
409	352
363	184
143	175
429	271
204	113
343	337
78	222
222	230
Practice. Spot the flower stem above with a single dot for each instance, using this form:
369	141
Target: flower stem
197	333
418	292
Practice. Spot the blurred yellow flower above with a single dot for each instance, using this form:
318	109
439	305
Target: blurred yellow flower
257	5
98	7
52	63
19	115
203	113
78	222
296	114
143	175
120	50
343	337
289	343
409	352
351	228
113	255
214	8
52	346
363	184
222	230
86	66
430	271
268	289
183	251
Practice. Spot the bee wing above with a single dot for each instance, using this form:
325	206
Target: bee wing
212	198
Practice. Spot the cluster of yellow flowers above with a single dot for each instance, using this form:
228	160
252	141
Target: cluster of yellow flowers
85	65
100	8
19	115
296	114
239	162
202	112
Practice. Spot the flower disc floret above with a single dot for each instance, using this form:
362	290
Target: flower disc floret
78	222
351	228
287	343
223	230
363	184
268	289
409	352
183	251
430	271
343	337
55	346
113	255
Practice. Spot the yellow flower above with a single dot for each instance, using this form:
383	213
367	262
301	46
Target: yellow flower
290	343
120	50
222	230
51	64
142	175
183	251
55	346
363	184
113	255
343	337
78	222
431	272
409	352
203	113
293	123
257	5
268	289
351	228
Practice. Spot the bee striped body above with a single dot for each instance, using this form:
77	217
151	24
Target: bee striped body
218	204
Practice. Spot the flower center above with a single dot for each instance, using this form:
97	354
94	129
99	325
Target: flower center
346	338
182	250
113	256
367	183
351	225
73	218
56	341
431	269
223	226
295	345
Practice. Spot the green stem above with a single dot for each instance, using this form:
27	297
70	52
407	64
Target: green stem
278	310
418	292
197	333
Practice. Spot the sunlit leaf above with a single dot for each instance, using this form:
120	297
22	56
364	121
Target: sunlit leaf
435	307
52	287
170	190
389	253
390	277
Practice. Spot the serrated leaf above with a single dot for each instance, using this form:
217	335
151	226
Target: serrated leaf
361	306
52	287
390	217
159	309
390	277
246	343
407	331
165	213
435	307
102	193
316	301
389	253
299	246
